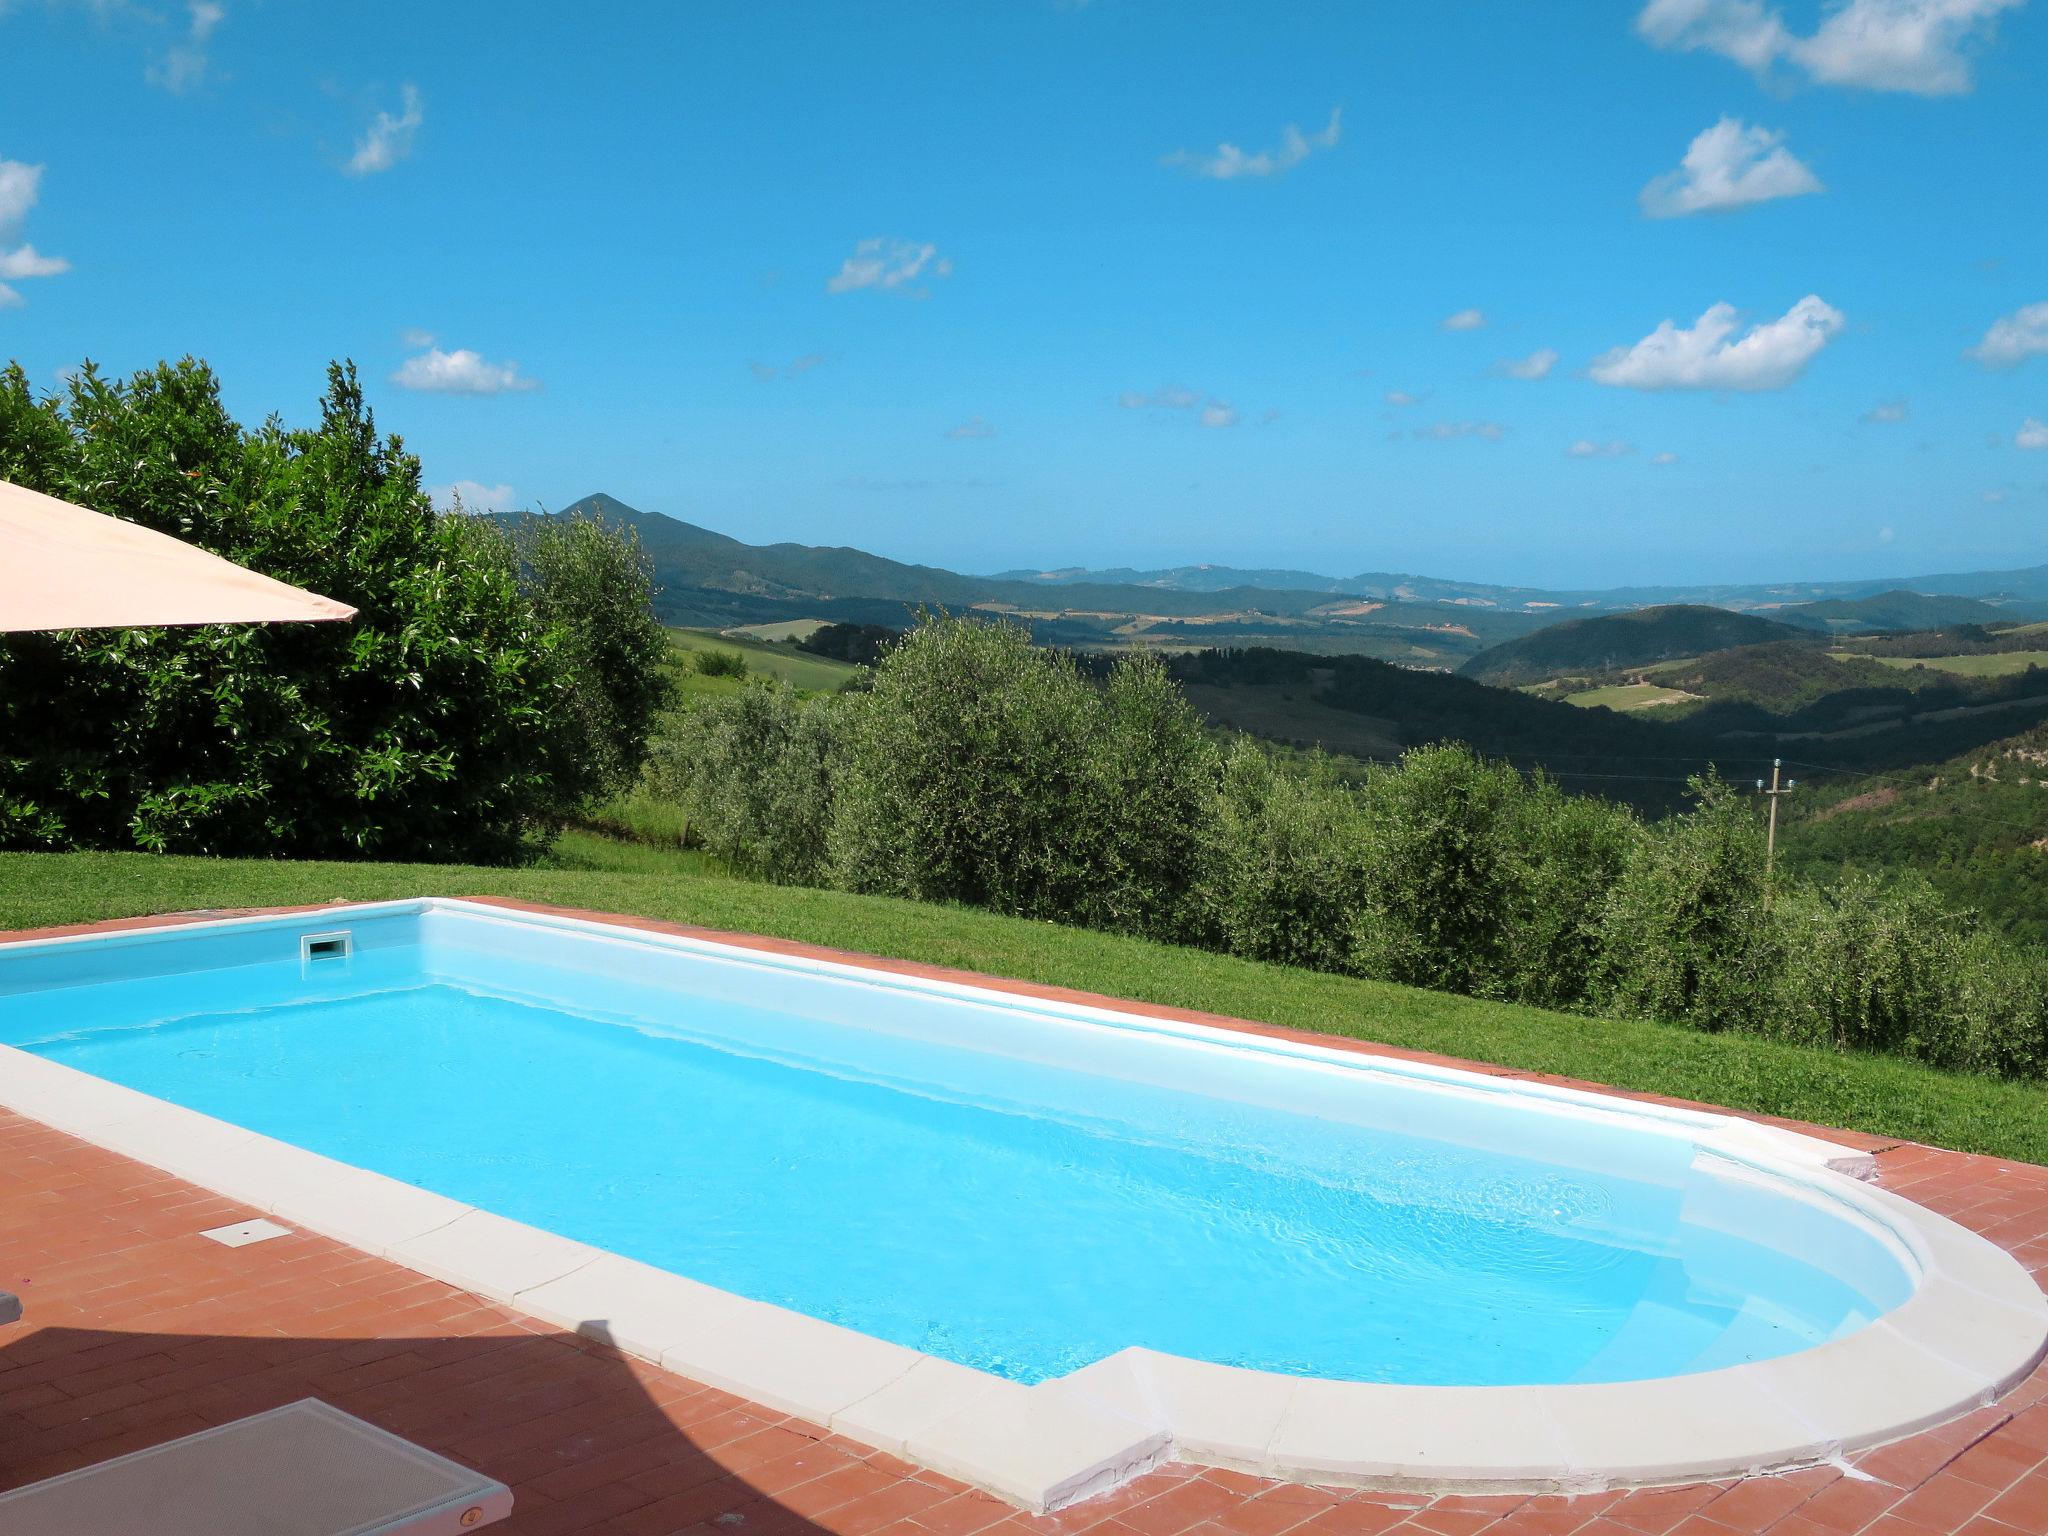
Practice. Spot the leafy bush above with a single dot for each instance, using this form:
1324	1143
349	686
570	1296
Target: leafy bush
1151	780
720	664
1887	966
1442	871
754	774
1285	863
439	725
1686	933
1570	852
966	773
594	585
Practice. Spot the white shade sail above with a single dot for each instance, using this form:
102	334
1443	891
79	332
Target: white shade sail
64	567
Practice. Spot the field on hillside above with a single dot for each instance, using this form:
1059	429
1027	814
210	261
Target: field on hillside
1879	1094
788	629
1993	664
800	669
1630	696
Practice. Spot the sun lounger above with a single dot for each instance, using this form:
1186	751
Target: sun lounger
302	1470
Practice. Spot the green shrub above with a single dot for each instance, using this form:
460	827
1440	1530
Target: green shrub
1686	933
2001	1010
754	774
966	773
1442	871
720	664
1152	776
1284	870
593	584
1571	851
1885	965
438	725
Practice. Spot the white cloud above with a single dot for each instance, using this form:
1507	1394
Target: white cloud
1586	448
2014	338
413	336
972	428
2032	434
1992	498
1709	356
1465	320
1209	411
1666	458
1729	165
1399	399
461	372
890	265
1886	535
1445	431
1229	163
1886	412
1921	46
1536	365
796	368
388	139
1737	29
185	65
475	497
1900	45
1170	398
27	261
21	185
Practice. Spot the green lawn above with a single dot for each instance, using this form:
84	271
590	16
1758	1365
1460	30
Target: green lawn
1877	1094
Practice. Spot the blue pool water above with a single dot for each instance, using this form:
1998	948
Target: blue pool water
1015	1191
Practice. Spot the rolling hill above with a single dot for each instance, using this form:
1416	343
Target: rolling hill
707	579
1885	611
1617	641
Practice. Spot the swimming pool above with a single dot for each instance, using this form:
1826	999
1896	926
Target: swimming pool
1023	1192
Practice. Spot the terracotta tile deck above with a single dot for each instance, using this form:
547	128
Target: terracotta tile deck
138	1330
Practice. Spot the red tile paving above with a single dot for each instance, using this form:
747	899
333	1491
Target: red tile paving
138	1330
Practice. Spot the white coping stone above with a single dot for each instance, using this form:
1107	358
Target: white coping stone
931	1390
635	1307
1680	1429
1221	1414
491	1256
1352	1431
1976	1324
1038	1449
787	1360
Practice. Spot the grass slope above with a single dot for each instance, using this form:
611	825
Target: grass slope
800	669
1876	1094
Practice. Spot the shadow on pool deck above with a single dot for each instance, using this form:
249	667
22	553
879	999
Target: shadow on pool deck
586	1438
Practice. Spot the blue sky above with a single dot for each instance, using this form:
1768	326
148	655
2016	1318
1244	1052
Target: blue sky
1027	283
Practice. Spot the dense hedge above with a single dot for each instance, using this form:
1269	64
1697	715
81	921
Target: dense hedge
493	680
980	770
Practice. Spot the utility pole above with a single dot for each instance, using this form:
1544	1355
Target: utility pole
1771	837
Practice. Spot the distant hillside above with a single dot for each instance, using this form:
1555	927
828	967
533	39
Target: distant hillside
2019	593
1976	825
710	580
1615	641
1889	611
